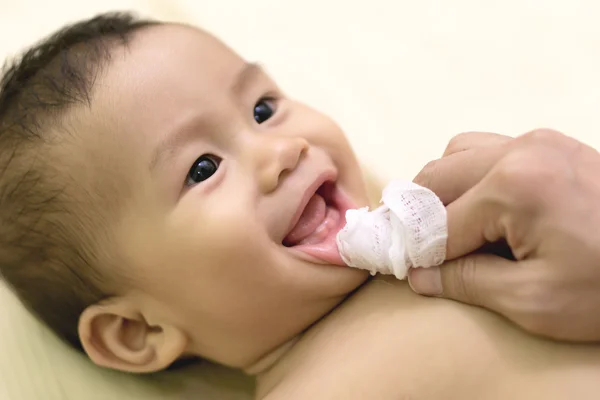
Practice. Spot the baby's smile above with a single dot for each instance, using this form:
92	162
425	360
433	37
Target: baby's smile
318	219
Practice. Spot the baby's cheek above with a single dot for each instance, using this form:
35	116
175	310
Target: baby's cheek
231	231
327	135
219	251
320	130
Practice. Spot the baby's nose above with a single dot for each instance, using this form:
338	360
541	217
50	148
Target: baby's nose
276	156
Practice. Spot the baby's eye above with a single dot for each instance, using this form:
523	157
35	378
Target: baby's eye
202	169
264	109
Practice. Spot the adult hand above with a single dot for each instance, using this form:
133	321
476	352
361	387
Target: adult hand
540	193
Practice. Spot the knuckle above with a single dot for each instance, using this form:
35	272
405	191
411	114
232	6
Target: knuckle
544	135
549	138
464	280
427	174
459	142
517	169
525	173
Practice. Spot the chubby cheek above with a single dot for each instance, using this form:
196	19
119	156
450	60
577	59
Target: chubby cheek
351	178
211	276
224	245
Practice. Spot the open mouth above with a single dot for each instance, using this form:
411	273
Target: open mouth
318	224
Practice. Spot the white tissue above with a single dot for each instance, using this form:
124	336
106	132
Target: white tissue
409	230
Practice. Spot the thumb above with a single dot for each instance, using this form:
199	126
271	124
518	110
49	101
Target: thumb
478	279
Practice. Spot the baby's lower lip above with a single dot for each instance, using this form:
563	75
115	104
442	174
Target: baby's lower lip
321	244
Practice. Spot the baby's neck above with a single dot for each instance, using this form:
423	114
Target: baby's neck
265	363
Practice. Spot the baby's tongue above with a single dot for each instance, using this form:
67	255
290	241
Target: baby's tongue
311	218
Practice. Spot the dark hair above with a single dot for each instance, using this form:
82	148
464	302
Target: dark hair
48	253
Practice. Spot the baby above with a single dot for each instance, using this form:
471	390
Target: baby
162	198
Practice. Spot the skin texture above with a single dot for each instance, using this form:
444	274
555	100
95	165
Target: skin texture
203	265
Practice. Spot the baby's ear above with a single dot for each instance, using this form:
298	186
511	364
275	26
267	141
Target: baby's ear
116	335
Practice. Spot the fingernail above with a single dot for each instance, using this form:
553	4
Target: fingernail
426	281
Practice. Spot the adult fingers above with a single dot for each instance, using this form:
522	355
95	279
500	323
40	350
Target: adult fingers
479	279
450	177
473	220
474	140
470	156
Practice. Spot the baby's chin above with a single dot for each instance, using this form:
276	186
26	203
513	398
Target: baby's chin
334	283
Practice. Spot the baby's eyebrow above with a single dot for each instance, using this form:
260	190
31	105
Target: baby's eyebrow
244	78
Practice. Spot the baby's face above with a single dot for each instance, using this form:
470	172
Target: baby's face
219	166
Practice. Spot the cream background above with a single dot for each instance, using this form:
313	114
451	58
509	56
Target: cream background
400	76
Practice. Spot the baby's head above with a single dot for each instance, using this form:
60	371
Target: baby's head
150	182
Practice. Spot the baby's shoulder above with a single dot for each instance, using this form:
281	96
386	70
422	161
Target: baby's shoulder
386	342
383	342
